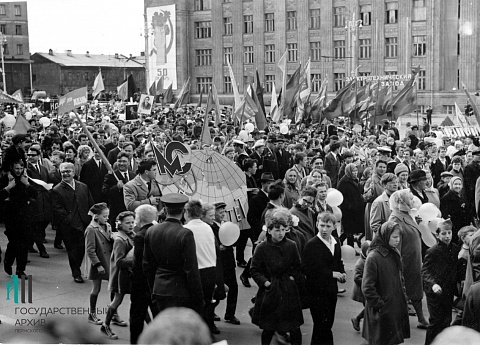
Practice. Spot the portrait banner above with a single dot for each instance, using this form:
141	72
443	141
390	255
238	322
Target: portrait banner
146	103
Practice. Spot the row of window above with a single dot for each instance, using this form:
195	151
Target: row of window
108	78
17	9
6	50
203	57
18	29
205	83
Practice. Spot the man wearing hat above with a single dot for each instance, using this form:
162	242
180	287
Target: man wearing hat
258	156
239	147
283	157
270	163
15	152
418	183
443	186
170	260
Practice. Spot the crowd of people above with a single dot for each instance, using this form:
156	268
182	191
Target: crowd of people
164	250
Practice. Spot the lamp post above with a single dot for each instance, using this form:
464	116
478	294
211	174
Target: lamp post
352	27
3	41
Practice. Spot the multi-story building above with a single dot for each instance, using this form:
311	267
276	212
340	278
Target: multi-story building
60	73
16	50
343	38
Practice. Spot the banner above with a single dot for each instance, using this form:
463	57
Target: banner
162	53
72	100
145	106
6	98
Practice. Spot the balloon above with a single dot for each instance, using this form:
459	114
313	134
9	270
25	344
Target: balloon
284	129
433	224
28	115
334	198
348	253
357	128
243	135
45	121
337	212
228	233
428	212
439	214
249	127
9	120
427	236
72	115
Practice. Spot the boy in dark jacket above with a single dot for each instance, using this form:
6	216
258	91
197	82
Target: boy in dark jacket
439	273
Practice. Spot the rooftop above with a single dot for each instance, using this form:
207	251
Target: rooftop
80	60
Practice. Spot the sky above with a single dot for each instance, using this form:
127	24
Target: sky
98	26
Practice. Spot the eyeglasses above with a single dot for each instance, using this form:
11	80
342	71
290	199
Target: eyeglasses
31	154
66	171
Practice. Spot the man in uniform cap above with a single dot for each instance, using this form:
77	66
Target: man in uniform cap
239	147
257	154
170	260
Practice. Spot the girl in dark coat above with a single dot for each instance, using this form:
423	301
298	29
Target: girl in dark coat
98	247
275	269
452	206
386	312
353	207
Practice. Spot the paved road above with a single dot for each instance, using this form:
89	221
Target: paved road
54	287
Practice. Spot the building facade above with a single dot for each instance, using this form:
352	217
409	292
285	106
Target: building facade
342	38
16	49
60	73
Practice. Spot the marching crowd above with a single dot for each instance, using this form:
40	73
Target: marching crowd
164	249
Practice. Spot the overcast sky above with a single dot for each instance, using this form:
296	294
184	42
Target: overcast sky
99	26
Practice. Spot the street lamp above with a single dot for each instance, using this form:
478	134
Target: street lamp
352	27
3	41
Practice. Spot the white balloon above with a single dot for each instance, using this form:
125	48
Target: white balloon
428	212
243	135
334	197
9	120
348	252
249	127
228	233
28	115
45	121
284	129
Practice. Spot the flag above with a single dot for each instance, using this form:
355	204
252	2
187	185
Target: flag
305	75
381	100
159	86
291	93
205	137
152	91
132	88
122	90
282	64
259	92
184	93
319	103
199	104
18	95
216	105
461	119
247	109
274	105
340	105
98	84
406	102
408	85
168	95
21	126
6	98
472	103
260	119
236	94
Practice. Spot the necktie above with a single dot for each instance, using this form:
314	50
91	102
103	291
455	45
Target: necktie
149	184
125	178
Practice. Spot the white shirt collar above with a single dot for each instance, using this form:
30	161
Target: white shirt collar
71	185
330	246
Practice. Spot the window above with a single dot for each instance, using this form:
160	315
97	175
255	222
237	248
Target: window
202	5
269	80
2	10
18	30
339	16
270	53
86	76
421	80
315	51
366	15
419	45
227	26
449	109
248	24
204	83
203	57
227	85
391	47
292	49
269	22
18	10
248	54
6	51
203	29
365	48
392	13
339	49
315	19
363	74
392	81
316	82
227	55
291	20
338	81
422	109
419	10
3	29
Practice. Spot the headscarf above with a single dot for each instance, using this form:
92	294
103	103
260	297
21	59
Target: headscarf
382	239
453	179
349	171
432	187
287	183
401	200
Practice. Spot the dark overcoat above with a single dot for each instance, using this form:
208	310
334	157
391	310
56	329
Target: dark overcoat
353	206
42	209
93	177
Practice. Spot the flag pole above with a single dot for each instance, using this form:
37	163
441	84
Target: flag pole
243	111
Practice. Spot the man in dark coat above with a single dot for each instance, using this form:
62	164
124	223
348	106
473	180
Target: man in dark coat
112	188
270	164
332	163
16	198
92	174
259	146
470	175
113	153
15	152
283	157
441	164
71	201
170	260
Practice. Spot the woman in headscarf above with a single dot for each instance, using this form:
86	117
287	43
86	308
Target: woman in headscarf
386	312
401	203
401	170
431	192
291	183
353	207
452	206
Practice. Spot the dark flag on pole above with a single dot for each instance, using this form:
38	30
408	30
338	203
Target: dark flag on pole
132	88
